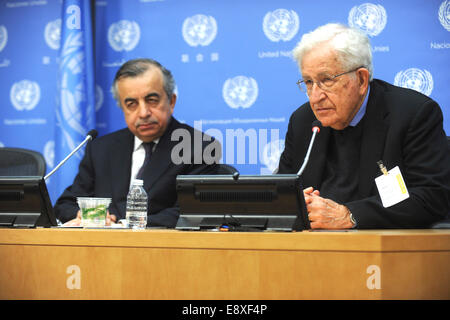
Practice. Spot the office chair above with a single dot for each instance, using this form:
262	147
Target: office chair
226	169
21	162
443	224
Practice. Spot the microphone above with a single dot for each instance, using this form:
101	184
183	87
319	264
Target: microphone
316	125
91	135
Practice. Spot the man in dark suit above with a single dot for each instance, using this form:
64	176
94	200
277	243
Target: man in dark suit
364	121
144	90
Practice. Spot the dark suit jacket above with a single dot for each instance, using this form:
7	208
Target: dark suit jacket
105	171
402	128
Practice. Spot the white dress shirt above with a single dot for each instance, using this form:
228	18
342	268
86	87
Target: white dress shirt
138	157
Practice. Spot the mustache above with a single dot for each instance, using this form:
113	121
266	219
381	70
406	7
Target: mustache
146	121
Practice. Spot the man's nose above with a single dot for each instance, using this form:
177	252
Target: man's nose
316	93
144	110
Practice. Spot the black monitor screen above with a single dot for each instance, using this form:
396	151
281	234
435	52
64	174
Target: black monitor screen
250	202
24	202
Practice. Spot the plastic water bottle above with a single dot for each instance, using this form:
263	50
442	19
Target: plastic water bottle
137	201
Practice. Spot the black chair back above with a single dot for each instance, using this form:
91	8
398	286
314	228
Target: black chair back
443	224
226	169
21	162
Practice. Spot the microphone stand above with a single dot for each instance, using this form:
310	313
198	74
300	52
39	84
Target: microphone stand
315	130
89	137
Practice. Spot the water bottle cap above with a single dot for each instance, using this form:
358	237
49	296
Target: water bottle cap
138	182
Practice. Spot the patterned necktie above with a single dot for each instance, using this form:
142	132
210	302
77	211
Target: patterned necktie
148	146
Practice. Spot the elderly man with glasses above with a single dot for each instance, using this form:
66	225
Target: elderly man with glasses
368	124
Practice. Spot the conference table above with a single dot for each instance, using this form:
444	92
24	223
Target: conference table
75	263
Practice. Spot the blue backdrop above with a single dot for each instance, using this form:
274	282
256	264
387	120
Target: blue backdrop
231	61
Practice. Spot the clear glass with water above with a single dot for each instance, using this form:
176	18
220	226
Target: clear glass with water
137	202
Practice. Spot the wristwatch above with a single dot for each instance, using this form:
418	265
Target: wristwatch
352	219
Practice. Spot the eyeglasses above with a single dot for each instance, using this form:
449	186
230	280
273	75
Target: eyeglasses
325	83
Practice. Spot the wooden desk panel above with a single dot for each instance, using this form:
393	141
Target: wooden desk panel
169	264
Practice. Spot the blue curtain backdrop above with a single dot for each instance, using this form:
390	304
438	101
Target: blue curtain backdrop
231	60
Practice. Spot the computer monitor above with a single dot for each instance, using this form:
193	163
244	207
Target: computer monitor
241	203
25	203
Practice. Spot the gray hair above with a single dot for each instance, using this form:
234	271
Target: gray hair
136	67
351	45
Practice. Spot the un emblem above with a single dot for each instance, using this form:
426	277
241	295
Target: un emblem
281	24
272	153
369	18
72	90
415	79
25	95
49	153
124	35
52	34
3	37
98	97
199	30
240	91
444	15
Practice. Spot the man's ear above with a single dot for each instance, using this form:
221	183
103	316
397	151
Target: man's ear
363	78
172	102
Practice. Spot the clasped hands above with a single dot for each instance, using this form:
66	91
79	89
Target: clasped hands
110	219
325	213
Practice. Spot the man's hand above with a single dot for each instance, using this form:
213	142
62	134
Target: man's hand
325	213
310	191
110	219
74	222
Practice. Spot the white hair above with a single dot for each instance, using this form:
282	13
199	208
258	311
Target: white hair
352	46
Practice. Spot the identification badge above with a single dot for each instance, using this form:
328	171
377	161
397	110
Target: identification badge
391	187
